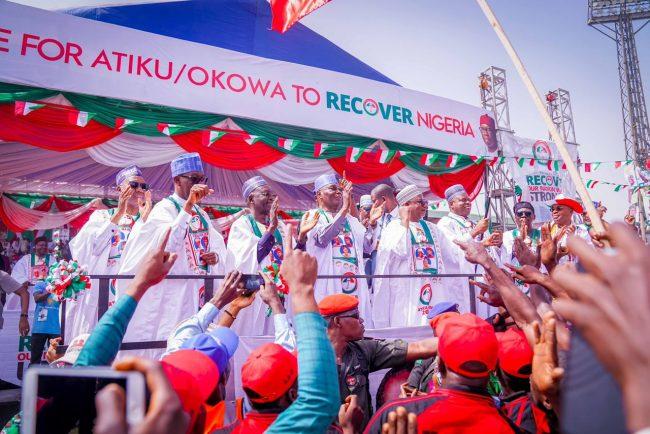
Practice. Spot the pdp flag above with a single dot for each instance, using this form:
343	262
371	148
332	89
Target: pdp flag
287	144
23	108
320	148
208	137
79	118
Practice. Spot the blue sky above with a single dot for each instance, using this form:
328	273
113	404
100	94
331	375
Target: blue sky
440	46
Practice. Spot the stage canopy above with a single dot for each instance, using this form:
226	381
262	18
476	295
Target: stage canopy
140	84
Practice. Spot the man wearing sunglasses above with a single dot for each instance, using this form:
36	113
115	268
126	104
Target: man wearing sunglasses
412	245
100	245
524	218
199	246
255	242
563	225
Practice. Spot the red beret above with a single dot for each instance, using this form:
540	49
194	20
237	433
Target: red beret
467	345
515	354
337	303
268	373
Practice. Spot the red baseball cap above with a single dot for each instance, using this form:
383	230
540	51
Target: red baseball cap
561	199
268	373
515	354
467	345
337	303
193	376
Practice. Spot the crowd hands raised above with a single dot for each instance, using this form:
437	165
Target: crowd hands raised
503	374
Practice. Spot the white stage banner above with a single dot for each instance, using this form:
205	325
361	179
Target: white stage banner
68	53
14	349
537	184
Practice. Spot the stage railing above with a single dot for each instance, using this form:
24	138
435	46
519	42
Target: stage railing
208	281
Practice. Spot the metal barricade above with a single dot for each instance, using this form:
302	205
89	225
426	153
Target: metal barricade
208	281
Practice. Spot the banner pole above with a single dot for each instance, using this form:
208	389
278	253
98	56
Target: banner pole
557	138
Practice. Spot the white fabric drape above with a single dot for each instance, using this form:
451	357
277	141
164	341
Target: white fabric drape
31	219
408	176
128	148
296	171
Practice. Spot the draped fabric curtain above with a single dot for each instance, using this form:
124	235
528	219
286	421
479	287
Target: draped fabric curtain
19	218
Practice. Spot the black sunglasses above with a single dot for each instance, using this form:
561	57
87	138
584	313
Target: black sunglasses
197	179
354	315
143	185
524	214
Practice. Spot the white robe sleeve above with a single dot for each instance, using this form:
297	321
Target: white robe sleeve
242	244
20	271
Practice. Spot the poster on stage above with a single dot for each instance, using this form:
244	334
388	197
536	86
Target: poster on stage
535	182
63	52
14	349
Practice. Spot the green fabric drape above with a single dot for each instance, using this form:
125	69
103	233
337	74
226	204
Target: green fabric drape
147	116
414	155
14	92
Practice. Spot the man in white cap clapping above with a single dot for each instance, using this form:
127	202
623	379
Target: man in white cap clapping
338	242
412	245
255	242
200	248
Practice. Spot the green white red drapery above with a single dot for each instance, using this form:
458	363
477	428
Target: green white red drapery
67	121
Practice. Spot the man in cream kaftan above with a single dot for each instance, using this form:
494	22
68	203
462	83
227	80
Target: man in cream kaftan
420	249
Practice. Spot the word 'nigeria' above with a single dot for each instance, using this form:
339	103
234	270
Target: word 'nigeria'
390	112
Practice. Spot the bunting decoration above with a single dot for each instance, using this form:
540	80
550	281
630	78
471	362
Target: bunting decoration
168	129
320	148
287	144
591	183
121	123
23	108
79	118
385	156
251	140
428	159
208	137
476	159
452	160
354	154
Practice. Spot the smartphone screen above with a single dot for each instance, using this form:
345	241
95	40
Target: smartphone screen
61	401
252	282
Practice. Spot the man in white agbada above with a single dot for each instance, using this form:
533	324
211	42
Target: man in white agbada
100	243
412	245
200	247
457	227
563	225
338	242
255	242
31	268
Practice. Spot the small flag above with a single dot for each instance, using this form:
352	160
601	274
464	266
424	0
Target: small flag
587	167
168	129
556	165
618	187
477	159
79	118
521	161
628	162
617	164
386	155
252	139
287	144
591	183
354	154
208	137
428	159
452	160
532	162
553	165
497	161
23	108
320	148
121	123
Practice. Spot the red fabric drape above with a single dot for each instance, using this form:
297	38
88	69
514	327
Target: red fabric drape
50	128
230	152
64	205
46	205
366	169
287	12
471	178
12	226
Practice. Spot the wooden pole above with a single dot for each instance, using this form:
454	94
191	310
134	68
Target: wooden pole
557	138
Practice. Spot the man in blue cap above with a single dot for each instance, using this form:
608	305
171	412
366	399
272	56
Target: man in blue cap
100	245
255	242
200	248
338	242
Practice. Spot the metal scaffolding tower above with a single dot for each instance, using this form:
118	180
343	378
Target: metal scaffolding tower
615	19
558	105
499	187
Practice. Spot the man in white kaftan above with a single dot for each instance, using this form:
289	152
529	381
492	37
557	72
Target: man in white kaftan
99	246
31	268
255	242
412	245
200	248
457	226
338	242
563	225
